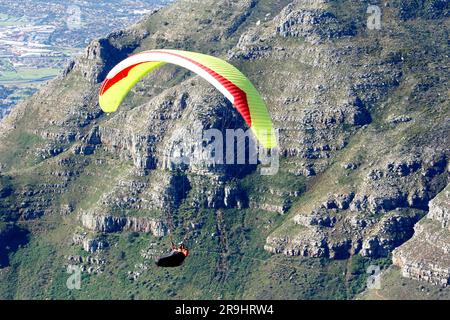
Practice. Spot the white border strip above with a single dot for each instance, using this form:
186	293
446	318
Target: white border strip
151	56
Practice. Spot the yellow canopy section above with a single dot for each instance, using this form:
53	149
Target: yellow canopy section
222	75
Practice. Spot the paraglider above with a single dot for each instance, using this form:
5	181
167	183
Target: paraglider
222	75
175	258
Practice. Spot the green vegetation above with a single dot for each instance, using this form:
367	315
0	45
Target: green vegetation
396	287
23	142
240	269
358	271
27	75
7	20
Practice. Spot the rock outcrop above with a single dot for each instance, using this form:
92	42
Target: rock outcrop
101	223
315	25
89	243
426	256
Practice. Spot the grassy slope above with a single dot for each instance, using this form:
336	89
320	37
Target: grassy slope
395	287
38	270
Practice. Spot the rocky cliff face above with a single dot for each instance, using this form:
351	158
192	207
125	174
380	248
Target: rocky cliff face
363	119
426	256
114	224
384	196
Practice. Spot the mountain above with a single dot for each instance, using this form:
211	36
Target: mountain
363	116
38	37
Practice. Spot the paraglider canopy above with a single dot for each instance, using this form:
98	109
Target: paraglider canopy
222	75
